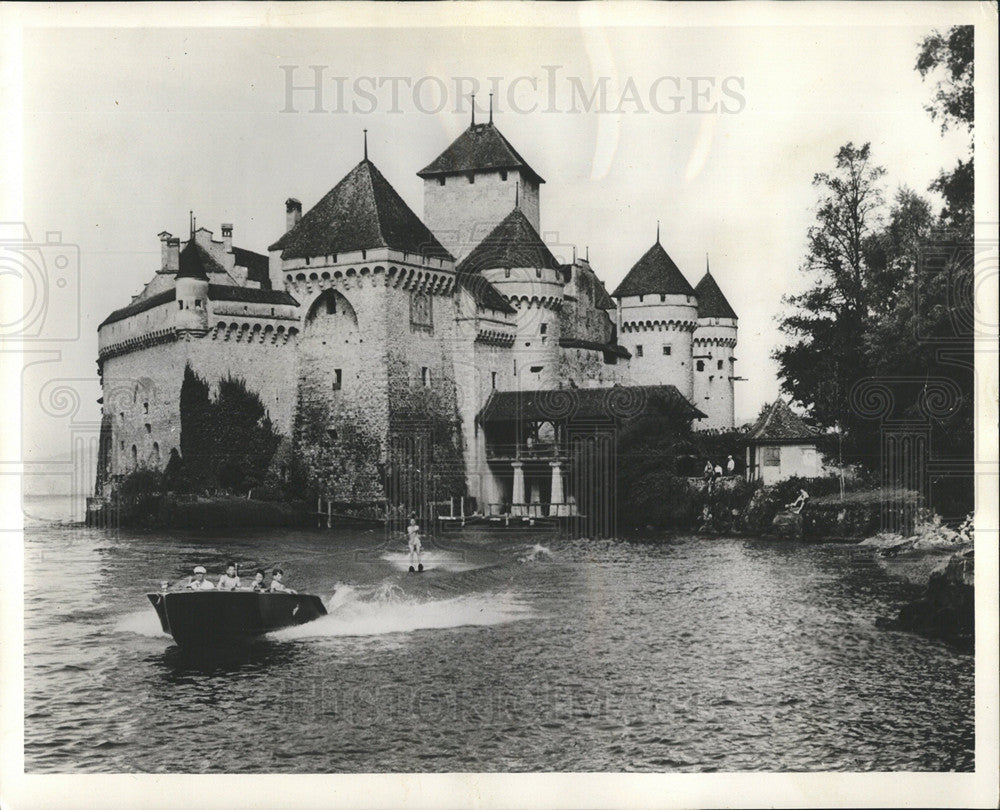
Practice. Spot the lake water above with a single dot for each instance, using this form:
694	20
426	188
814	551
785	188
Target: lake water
510	653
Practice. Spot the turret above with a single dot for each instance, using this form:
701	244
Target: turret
515	260
192	289
657	316
470	187
713	355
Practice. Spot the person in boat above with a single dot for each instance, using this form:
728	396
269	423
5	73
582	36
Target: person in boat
413	540
198	581
229	581
258	581
277	586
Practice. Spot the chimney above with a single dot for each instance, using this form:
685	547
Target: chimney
164	251
173	254
227	236
293	213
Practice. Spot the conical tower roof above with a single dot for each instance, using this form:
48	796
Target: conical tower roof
512	243
655	273
196	262
363	211
481	147
711	302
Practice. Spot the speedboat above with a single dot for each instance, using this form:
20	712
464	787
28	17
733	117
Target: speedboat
197	618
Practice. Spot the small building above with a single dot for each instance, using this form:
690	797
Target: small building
781	445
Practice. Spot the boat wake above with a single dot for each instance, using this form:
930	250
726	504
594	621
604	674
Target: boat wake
388	609
141	623
435	561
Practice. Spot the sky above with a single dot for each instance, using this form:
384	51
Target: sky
715	131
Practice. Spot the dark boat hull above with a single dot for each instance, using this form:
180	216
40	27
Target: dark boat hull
196	618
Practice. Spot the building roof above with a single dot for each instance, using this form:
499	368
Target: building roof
512	243
481	147
779	424
593	345
484	293
196	262
601	298
250	295
140	306
216	292
654	273
257	265
617	402
361	212
711	302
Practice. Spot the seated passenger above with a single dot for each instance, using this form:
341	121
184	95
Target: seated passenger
229	581
198	582
277	586
258	581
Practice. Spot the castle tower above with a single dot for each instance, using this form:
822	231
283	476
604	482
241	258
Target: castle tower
192	289
470	187
714	361
376	391
515	260
657	316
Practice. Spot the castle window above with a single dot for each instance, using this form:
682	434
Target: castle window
272	310
441	181
538	272
543	329
364	254
640	298
338	378
420	312
331	304
700	365
156	452
180	305
503	175
666	351
425	377
720	365
662	298
135	454
121	445
638	351
472	178
307	261
506	272
770	456
493	379
197	303
332	434
145	407
149	428
121	417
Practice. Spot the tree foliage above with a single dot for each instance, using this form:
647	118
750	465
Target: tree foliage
891	295
226	443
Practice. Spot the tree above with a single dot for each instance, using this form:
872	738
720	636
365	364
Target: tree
829	319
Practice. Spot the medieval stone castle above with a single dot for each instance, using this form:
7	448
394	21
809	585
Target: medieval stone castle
459	338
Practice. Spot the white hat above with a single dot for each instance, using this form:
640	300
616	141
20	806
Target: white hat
199	569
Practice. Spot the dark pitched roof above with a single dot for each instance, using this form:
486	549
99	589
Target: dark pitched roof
484	293
654	273
512	243
257	265
607	348
711	302
481	146
779	424
216	292
251	295
617	402
601	298
196	262
140	306
362	211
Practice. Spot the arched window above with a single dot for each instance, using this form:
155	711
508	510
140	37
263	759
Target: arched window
135	455
701	365
156	452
